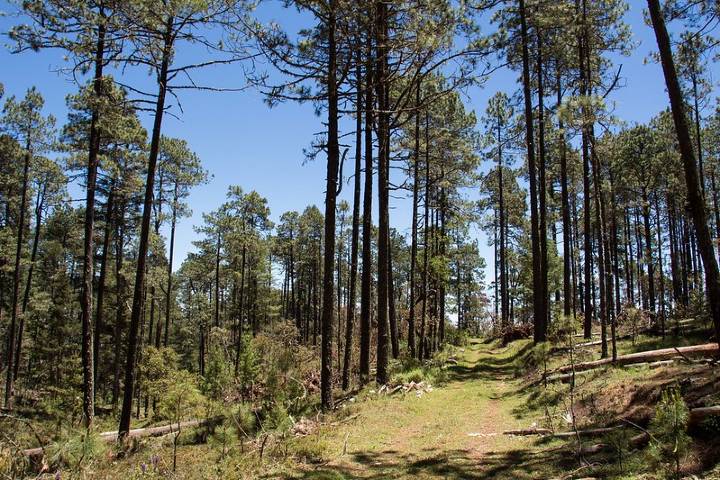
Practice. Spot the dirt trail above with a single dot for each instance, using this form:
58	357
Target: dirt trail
451	432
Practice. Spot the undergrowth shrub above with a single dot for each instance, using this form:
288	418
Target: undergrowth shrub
219	368
669	439
541	355
456	336
634	319
75	450
311	449
432	371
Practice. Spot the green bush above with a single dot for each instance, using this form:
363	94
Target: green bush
541	355
413	375
278	420
248	368
668	429
219	368
456	336
76	449
244	419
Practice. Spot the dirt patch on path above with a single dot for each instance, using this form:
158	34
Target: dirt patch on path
452	432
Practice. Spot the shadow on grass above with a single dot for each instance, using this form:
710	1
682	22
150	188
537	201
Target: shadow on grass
492	367
453	464
645	342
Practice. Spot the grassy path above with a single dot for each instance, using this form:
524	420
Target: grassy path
451	432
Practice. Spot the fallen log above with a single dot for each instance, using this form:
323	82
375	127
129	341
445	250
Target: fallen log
528	431
109	437
658	364
565	377
710	349
696	416
637	441
699	414
549	433
587	433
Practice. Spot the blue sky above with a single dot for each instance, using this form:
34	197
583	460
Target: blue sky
243	142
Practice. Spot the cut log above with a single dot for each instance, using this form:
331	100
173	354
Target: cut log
708	349
528	431
546	432
658	364
636	441
565	377
109	437
592	432
699	414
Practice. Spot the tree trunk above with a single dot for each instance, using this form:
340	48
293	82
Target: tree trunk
241	308
367	220
660	266
217	279
414	233
565	202
169	297
330	201
587	235
530	143
88	248
544	299
392	312
382	89
422	353
355	228
101	283
39	205
137	304
602	252
9	392
648	252
119	302
696	204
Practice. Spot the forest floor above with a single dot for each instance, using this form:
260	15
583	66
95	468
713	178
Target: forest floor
455	430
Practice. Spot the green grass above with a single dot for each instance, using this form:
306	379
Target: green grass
452	432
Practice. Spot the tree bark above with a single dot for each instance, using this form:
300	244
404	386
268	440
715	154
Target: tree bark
101	283
137	305
544	299
696	203
39	205
119	301
169	297
9	392
565	202
587	235
88	247
422	348
414	232
530	144
330	202
355	228
381	26
367	219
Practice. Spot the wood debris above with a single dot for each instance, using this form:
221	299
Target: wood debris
420	388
